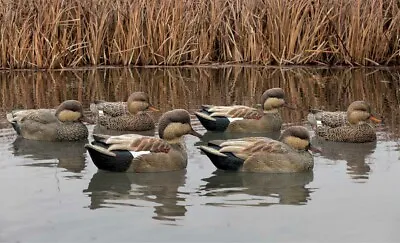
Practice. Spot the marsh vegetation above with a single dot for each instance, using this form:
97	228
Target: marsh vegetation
73	33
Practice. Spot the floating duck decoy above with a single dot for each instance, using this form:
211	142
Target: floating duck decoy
341	126
137	153
125	116
62	124
262	154
239	118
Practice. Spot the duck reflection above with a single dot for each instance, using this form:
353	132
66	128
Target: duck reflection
69	155
107	188
355	154
285	188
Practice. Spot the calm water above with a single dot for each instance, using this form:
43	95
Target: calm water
52	192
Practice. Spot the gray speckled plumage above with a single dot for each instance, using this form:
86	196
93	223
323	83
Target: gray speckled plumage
139	122
111	108
62	124
71	131
350	126
348	133
328	118
125	116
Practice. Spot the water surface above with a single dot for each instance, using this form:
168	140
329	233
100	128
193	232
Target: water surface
52	192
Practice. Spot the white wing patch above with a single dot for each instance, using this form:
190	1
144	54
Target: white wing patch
231	119
138	153
319	123
101	113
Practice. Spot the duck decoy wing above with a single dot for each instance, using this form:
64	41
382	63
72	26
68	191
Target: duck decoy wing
334	119
109	139
271	156
326	118
112	109
235	112
245	147
152	144
43	116
33	123
137	144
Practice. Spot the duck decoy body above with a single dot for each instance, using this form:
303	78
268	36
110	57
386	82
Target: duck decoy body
125	116
137	153
62	124
262	154
340	126
239	118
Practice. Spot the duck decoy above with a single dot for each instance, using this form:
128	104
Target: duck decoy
137	153
341	126
62	124
239	118
125	116
262	154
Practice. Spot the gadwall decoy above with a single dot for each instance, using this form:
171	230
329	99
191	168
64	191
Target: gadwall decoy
62	124
125	116
137	153
239	118
262	154
342	126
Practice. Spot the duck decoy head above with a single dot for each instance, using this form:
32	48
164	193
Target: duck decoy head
360	111
70	111
139	101
174	124
273	99
298	138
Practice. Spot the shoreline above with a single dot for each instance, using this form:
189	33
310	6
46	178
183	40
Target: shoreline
201	66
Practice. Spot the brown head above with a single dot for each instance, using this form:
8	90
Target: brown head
360	111
298	138
70	111
139	101
174	124
273	99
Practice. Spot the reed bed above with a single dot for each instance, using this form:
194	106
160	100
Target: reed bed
74	33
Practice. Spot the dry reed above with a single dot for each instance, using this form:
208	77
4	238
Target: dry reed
72	33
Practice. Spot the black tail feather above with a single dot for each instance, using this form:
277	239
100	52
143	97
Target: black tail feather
219	124
99	139
16	127
229	162
118	163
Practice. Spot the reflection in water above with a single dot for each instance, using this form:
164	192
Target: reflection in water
107	188
69	155
188	88
355	154
287	188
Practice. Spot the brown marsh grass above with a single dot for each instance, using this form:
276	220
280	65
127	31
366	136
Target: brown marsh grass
332	89
73	33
